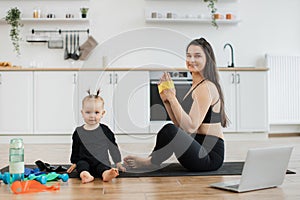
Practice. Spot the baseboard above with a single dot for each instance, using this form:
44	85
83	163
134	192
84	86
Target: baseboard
284	134
245	136
284	128
67	138
38	139
121	138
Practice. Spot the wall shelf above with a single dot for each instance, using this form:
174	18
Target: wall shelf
55	20
50	20
165	11
194	20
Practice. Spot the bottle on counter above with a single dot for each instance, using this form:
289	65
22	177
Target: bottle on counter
16	159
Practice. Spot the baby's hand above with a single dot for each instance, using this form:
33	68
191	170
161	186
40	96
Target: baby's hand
120	167
73	166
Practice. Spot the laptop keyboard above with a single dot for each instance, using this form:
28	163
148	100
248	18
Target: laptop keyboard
233	186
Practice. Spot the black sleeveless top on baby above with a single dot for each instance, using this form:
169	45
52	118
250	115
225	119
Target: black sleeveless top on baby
210	117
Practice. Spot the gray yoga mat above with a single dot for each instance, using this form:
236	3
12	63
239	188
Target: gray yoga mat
175	169
168	170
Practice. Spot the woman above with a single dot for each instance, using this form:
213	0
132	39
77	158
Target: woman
196	136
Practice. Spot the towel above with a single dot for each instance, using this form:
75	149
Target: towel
165	85
87	47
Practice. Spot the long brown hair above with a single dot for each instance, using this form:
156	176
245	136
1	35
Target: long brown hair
210	73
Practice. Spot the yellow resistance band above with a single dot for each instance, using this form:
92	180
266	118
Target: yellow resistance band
165	85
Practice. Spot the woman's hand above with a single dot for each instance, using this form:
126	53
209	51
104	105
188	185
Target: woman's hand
73	166
166	94
120	167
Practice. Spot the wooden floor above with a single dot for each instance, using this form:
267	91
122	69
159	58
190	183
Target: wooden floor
157	188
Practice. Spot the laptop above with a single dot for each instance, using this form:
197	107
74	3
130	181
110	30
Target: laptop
263	168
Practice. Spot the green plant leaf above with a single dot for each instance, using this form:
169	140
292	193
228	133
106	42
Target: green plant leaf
213	10
13	18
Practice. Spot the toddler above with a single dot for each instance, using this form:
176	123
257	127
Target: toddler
91	143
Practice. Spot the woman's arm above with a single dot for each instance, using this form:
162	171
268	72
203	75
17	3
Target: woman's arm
170	113
166	77
190	122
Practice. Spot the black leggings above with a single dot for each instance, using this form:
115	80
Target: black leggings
195	152
95	170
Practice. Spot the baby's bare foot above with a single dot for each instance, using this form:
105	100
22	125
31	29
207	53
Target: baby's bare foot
108	175
86	177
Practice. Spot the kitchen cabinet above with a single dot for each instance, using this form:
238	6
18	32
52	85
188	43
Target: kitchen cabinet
55	102
16	102
131	102
94	80
245	95
126	96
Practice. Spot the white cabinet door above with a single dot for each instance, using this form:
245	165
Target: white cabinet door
16	102
55	102
227	82
126	98
252	101
245	95
94	80
131	102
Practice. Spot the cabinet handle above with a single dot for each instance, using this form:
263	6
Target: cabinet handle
74	79
116	78
232	78
0	79
110	78
238	79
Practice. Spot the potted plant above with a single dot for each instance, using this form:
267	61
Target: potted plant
213	10
13	18
84	11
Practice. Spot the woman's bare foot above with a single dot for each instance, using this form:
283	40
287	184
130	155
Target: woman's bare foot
137	162
86	177
109	174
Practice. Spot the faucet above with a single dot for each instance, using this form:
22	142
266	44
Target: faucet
232	62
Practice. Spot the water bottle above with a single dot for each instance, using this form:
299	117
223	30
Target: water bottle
16	159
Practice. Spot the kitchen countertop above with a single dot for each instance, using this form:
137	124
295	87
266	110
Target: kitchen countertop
128	69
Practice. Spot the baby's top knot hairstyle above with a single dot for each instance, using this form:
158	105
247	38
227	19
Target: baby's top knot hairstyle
91	96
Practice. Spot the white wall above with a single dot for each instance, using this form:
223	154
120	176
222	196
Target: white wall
268	26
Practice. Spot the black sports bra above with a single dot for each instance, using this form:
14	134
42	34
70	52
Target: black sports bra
210	117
